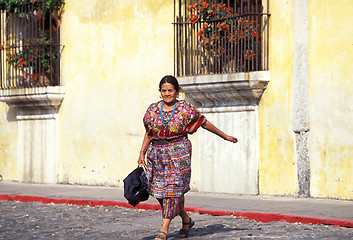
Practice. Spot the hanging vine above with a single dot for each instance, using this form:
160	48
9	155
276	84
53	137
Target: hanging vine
15	6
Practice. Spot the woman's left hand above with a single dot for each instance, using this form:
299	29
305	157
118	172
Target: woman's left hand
231	139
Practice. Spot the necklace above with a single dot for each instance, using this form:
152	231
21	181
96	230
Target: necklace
161	113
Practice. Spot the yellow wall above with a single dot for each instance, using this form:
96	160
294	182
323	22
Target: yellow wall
330	103
115	54
331	98
277	164
8	144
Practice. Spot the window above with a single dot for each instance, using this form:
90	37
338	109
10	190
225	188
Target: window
215	37
30	43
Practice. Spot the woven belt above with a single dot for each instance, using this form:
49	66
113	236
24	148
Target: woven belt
166	141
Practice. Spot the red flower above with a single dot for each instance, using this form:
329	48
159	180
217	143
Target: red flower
204	4
229	27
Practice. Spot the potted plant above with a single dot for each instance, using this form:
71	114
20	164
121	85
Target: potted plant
34	59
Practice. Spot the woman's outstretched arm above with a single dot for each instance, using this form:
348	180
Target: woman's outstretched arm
213	129
146	142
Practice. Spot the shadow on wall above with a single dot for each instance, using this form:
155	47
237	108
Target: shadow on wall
11	115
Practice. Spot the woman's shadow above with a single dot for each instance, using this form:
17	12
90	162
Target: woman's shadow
201	231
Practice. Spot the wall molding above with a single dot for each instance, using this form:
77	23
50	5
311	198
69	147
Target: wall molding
33	98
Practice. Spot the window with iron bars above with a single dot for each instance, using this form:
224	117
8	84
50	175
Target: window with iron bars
30	44
215	37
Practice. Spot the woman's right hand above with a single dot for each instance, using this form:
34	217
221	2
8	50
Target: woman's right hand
146	142
141	160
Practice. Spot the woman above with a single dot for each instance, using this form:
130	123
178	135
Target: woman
168	149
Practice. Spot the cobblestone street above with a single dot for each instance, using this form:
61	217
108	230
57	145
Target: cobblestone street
41	221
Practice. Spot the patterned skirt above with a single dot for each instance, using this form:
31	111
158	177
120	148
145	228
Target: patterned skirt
169	167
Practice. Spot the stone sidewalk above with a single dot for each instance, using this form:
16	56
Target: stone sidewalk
33	220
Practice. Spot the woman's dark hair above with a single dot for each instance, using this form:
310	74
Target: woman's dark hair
170	79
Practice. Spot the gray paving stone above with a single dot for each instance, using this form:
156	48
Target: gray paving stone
20	220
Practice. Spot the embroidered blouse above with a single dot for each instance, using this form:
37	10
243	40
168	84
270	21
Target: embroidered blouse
186	120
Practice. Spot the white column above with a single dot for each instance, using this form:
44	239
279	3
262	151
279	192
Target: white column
226	167
300	94
36	113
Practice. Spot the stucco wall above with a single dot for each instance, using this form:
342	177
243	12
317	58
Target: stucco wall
115	54
277	164
8	144
331	109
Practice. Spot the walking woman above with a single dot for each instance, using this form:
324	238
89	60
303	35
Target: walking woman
168	167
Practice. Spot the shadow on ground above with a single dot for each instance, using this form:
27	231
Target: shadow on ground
202	231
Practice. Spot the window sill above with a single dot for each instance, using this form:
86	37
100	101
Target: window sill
226	92
33	98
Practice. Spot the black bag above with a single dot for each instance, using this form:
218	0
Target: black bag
135	189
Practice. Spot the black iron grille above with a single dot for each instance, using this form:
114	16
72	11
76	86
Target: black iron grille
215	37
30	45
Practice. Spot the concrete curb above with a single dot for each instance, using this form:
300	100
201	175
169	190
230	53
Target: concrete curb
257	216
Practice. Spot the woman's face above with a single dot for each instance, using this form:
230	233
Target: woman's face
169	93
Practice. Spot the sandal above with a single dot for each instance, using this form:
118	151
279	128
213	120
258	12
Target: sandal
162	235
184	233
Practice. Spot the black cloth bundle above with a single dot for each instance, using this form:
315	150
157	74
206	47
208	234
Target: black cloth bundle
135	189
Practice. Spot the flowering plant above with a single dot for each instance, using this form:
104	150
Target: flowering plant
36	55
219	27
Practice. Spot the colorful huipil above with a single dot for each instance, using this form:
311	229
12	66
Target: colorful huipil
169	154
